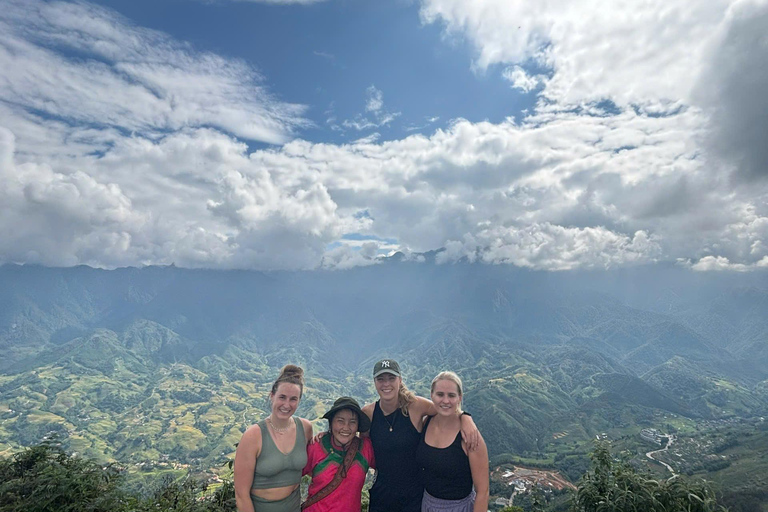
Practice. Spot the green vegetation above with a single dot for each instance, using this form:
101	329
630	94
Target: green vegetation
162	369
45	478
615	486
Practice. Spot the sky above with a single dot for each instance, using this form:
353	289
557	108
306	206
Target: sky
551	135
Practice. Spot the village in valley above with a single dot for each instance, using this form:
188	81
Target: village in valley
521	480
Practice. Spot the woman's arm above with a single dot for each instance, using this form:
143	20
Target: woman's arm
368	410
245	463
312	450
478	464
469	432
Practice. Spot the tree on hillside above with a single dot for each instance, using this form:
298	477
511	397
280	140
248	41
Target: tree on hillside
44	478
613	486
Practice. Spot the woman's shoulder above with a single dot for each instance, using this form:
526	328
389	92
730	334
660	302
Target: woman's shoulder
368	409
307	426
251	439
419	407
253	431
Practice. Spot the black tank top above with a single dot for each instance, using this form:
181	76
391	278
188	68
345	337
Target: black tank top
398	486
447	474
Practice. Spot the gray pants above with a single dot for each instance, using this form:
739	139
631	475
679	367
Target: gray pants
291	503
431	504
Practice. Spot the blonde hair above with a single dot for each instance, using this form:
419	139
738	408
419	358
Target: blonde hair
405	397
291	374
451	376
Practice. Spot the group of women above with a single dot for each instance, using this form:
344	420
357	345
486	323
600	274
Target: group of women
428	454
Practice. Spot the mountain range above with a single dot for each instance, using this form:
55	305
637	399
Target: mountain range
169	363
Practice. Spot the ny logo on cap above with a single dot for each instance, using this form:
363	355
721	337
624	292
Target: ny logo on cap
385	364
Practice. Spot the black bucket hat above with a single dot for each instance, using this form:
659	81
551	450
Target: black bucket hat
347	402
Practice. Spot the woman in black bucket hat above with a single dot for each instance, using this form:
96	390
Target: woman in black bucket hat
339	461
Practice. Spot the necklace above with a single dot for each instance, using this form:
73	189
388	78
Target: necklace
280	431
394	420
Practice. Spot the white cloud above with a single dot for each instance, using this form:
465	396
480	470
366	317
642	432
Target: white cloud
697	65
520	79
721	263
428	121
357	253
56	218
136	155
375	99
360	123
345	257
374	105
733	89
325	55
549	247
645	53
560	191
127	77
368	139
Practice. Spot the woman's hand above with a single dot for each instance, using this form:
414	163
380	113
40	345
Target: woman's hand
469	433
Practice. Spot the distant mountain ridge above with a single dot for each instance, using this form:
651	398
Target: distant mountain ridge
133	363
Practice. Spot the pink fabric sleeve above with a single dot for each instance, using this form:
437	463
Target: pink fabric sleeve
368	452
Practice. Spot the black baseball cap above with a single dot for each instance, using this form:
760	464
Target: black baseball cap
386	366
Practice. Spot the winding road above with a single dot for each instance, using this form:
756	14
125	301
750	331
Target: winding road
671	439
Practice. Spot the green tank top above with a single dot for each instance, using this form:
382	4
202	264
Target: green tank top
275	468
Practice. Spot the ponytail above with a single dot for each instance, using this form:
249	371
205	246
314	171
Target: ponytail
405	397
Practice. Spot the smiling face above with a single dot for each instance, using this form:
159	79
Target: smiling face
446	397
387	386
343	426
285	400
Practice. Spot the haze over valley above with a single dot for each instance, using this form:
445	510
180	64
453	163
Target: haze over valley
162	365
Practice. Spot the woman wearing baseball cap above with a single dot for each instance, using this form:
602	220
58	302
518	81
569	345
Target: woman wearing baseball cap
339	462
397	418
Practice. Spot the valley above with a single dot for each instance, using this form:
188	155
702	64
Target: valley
162	369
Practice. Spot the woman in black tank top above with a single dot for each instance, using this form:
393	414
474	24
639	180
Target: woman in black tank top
396	423
449	470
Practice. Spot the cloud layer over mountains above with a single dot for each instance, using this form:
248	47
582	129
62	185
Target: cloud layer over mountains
122	146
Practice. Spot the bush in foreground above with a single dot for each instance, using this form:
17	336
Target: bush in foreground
613	486
44	478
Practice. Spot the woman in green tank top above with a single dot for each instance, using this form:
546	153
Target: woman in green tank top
272	453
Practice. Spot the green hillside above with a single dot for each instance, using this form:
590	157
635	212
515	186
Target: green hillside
165	367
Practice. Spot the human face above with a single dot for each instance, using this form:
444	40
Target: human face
387	386
344	426
446	397
285	400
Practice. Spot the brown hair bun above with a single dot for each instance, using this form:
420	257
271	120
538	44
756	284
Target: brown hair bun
291	374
